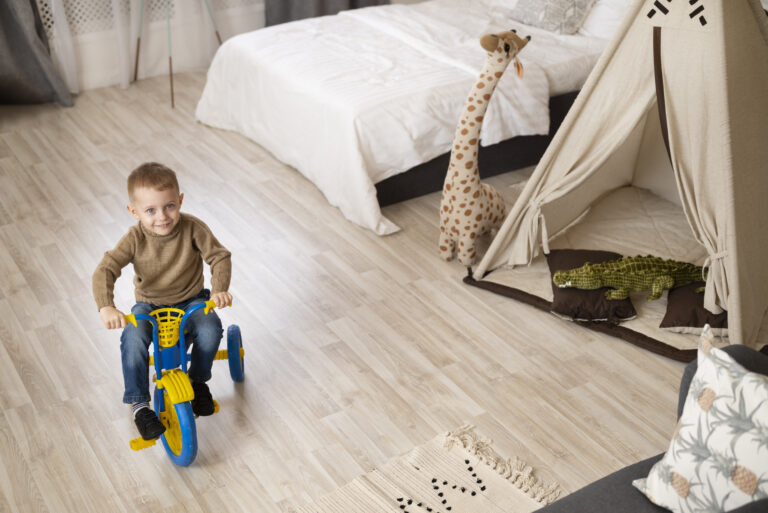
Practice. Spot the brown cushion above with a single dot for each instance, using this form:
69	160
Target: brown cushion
585	305
686	312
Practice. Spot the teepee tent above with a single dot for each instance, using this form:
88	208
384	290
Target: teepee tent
677	105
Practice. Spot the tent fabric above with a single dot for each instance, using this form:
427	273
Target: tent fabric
715	73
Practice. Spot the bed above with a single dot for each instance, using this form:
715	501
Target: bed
355	99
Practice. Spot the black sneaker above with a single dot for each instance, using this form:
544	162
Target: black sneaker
148	424
202	404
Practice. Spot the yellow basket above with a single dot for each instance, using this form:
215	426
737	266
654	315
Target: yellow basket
168	320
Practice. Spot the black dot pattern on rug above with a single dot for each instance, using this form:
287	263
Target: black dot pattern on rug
404	503
440	487
479	481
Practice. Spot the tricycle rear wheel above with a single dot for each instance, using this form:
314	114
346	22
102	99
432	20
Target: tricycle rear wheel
234	353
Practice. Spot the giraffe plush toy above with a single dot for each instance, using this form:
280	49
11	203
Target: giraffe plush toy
468	208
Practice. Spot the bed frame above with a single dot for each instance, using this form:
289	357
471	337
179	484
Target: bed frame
514	153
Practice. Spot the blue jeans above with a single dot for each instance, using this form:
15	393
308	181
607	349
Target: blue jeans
204	330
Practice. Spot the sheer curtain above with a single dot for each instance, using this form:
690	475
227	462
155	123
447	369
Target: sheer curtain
94	42
281	11
27	74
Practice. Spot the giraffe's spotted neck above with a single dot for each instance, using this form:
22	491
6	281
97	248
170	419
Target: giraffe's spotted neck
477	102
466	138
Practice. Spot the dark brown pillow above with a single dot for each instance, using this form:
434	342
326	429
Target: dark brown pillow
686	312
585	305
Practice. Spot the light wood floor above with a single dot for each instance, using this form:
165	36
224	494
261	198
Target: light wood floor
358	347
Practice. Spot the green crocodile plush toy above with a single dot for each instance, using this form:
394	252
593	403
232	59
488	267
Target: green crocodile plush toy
630	274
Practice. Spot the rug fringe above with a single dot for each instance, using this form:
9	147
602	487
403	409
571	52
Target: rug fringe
514	469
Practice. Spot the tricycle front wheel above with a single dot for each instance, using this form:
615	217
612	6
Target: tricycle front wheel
180	437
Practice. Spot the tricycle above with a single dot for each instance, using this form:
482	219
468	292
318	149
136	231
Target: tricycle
173	389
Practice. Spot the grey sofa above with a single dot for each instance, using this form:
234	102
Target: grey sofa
615	493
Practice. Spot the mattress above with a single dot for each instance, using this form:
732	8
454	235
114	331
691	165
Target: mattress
352	99
629	221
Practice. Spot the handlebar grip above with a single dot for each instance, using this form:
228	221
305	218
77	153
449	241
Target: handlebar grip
210	305
132	319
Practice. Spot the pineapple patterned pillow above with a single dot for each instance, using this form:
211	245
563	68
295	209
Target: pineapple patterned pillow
718	457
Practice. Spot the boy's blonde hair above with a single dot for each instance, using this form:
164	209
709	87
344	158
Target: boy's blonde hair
152	175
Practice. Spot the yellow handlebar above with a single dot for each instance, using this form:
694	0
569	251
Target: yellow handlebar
210	305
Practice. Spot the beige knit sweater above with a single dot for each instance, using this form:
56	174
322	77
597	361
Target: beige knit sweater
168	268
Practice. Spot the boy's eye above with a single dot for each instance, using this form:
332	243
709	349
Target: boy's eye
150	211
169	206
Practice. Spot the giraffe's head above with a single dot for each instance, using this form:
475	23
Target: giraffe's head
504	46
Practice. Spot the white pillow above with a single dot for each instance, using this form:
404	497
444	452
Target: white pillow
561	16
718	457
604	18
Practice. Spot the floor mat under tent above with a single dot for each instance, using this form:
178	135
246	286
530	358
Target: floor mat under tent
630	221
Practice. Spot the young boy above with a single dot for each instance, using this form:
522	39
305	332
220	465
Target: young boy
167	249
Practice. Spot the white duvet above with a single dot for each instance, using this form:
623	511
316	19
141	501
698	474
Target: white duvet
352	99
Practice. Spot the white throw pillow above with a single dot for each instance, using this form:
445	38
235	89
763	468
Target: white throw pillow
718	457
561	16
604	18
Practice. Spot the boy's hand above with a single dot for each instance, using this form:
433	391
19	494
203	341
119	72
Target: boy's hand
112	317
221	299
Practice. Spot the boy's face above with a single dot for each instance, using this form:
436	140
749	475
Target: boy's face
158	211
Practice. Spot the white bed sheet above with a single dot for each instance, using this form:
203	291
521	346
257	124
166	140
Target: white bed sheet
452	31
352	99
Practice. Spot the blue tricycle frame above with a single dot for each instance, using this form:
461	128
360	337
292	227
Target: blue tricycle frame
173	390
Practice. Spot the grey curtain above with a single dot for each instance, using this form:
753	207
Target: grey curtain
27	74
280	11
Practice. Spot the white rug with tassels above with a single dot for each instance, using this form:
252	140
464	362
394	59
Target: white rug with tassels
454	473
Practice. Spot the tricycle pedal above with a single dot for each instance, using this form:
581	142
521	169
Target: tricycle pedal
138	444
